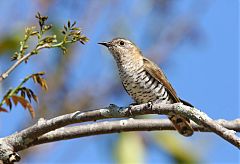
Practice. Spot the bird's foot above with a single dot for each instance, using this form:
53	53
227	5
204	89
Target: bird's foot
130	109
149	104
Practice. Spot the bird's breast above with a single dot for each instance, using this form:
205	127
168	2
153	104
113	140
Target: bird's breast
142	87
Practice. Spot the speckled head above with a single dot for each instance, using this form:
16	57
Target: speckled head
122	48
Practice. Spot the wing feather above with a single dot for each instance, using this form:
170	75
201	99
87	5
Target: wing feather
158	74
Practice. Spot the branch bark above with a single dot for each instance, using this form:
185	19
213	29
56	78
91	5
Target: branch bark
107	127
43	130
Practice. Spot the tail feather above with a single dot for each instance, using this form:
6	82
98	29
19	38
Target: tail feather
182	125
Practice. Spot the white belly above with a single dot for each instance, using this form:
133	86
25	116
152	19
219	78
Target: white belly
144	88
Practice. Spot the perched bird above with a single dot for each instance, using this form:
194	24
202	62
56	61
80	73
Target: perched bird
144	81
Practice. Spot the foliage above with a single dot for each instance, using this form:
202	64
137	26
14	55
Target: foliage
21	94
12	94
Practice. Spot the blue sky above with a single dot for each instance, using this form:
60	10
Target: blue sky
205	72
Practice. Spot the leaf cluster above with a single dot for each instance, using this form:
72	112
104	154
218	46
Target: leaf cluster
70	32
23	95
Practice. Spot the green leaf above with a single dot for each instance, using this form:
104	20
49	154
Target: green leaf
65	27
69	24
74	23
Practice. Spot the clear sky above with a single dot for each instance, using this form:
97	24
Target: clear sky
203	67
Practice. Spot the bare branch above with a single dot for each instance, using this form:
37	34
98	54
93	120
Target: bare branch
113	111
122	126
43	130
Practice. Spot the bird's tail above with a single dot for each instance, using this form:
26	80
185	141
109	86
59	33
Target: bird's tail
182	125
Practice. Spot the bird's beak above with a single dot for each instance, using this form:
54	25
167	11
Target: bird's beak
107	44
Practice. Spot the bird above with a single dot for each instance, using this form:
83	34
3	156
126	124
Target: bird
144	81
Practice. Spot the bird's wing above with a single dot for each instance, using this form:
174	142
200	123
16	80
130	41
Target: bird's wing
158	74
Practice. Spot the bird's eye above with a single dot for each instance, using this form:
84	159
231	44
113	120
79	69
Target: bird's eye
121	43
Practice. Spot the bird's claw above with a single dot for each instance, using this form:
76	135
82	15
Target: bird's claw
130	109
149	105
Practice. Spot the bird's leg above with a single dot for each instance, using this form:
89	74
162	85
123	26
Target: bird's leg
150	104
130	108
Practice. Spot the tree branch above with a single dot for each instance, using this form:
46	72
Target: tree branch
122	126
18	62
42	131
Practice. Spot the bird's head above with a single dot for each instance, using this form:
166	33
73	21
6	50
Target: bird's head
122	48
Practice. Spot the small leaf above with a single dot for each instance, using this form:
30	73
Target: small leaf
25	104
69	24
35	98
47	27
8	102
15	99
23	94
64	49
39	80
34	79
22	101
34	33
3	109
74	23
38	15
40	73
25	47
23	89
29	95
75	28
31	110
65	27
15	56
84	38
45	87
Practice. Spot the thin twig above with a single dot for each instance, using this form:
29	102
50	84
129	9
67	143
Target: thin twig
15	90
18	62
